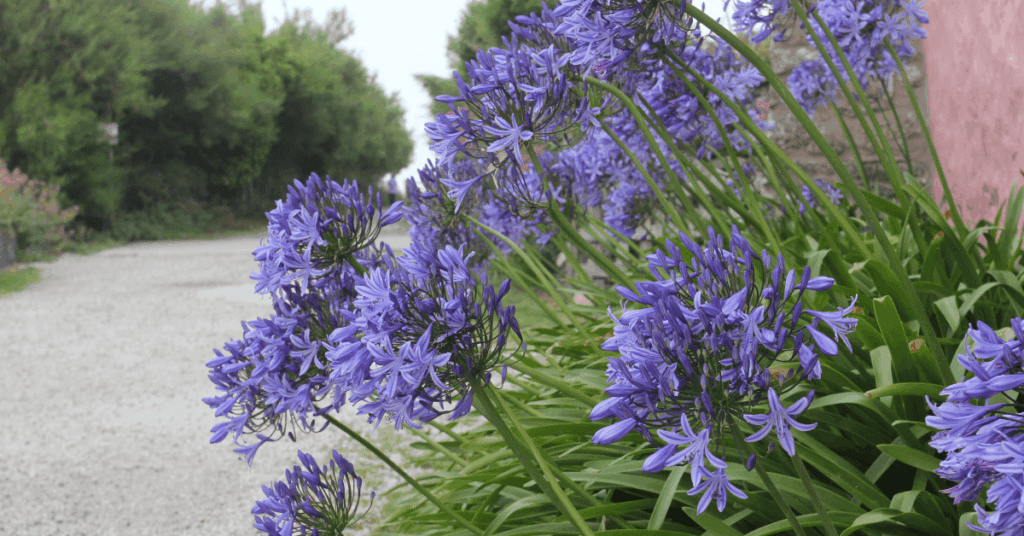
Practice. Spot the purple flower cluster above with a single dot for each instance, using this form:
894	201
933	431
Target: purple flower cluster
697	354
320	500
317	226
402	334
982	439
860	29
421	336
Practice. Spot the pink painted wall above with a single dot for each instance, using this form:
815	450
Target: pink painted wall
974	57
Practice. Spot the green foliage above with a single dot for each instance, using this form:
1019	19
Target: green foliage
30	209
208	109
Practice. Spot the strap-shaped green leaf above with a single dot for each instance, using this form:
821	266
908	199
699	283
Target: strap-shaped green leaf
668	493
911	456
907	389
948	309
895	520
710	523
890	325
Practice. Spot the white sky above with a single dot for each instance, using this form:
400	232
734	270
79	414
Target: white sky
398	39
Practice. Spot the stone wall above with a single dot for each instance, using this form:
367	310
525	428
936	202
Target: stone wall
791	137
7	248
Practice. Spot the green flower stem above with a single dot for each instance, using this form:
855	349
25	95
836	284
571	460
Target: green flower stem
354	263
702	196
542	275
812	130
759	218
554	383
805	477
642	121
565	480
577	240
770	486
528	456
519	279
412	481
670	208
574	236
438	447
889	162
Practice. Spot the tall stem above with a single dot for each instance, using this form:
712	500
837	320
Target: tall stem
529	457
770	486
805	477
412	481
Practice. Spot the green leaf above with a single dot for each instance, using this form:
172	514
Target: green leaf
881	365
973	518
840	519
906	389
711	524
668	493
508	510
948	309
968	304
837	469
911	456
888	516
888	285
891	326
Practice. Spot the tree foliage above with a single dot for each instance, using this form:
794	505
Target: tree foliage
483	24
209	109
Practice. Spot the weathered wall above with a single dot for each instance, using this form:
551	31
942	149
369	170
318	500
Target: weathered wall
975	60
7	248
791	137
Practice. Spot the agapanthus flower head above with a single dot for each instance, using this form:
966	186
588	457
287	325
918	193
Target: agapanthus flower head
609	32
313	499
983	441
704	347
314	231
860	28
426	333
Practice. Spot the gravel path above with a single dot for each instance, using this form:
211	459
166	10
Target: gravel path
102	426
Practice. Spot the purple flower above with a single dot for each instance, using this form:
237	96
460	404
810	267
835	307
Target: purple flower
781	420
425	335
715	487
982	440
699	348
323	500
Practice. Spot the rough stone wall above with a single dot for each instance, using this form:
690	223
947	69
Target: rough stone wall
791	137
7	249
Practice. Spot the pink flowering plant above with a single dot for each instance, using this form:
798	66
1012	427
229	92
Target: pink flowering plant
30	209
784	347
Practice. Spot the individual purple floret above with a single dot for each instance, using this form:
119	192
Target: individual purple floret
980	436
320	500
696	355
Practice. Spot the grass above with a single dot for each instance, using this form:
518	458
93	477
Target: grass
13	279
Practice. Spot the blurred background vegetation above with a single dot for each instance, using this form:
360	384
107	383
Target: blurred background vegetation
213	118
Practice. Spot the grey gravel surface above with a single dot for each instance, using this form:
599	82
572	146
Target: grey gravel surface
102	426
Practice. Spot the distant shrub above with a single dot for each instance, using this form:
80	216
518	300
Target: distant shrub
30	209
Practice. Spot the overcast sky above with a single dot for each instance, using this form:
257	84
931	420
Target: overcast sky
398	39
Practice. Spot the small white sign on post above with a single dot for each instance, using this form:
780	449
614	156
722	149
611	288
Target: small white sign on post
108	133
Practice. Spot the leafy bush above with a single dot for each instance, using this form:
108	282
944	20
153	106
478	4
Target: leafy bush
29	208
